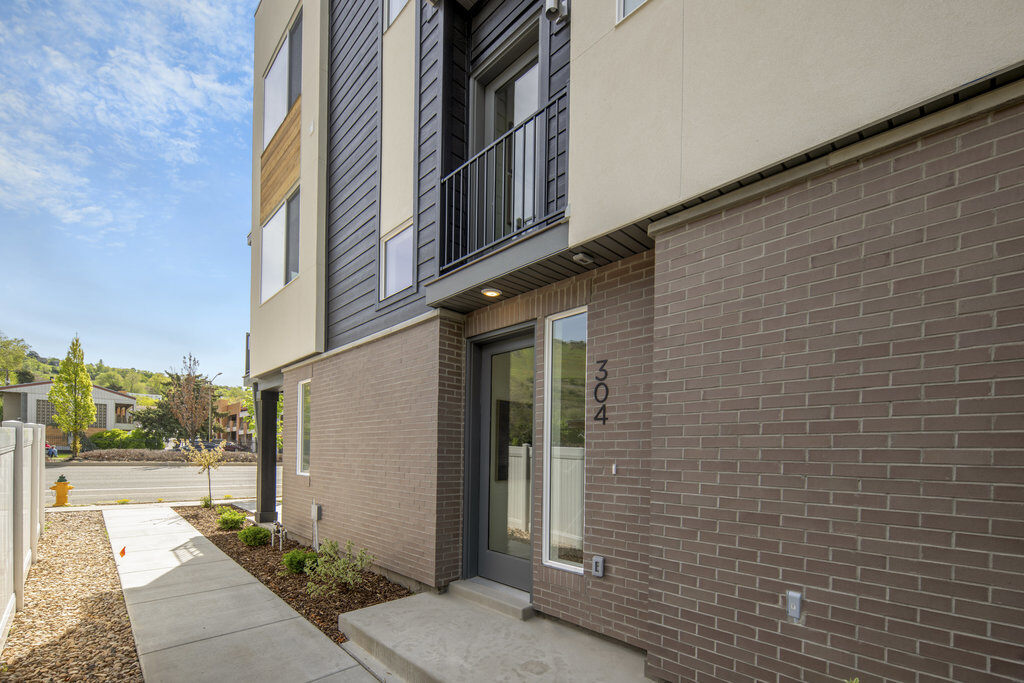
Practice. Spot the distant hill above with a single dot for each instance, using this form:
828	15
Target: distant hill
131	380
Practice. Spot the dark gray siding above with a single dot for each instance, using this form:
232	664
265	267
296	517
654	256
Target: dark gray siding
353	180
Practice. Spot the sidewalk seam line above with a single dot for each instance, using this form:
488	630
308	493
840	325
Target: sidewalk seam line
219	635
182	595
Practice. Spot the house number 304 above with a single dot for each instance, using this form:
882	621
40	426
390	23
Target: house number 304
601	392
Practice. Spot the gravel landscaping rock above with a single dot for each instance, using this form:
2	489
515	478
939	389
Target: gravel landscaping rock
264	562
74	626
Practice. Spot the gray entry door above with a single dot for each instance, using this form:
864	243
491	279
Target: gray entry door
505	455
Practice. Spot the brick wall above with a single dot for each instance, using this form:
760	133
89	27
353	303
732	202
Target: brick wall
620	306
838	395
384	464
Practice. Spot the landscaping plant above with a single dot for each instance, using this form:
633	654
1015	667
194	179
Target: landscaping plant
299	561
230	518
254	535
205	502
334	568
206	459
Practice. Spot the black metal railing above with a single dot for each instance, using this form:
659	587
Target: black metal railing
512	186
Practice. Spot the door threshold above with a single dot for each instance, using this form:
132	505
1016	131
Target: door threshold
493	595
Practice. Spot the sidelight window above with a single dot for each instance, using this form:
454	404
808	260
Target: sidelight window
564	438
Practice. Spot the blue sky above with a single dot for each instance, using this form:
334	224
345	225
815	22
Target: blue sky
125	166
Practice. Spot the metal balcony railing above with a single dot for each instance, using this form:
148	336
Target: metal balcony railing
508	189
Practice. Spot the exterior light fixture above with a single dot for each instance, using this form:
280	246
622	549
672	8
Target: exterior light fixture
583	258
490	292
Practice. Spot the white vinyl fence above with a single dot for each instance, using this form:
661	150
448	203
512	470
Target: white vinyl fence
21	512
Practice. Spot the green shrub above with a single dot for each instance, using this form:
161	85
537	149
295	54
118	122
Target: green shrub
230	518
254	535
119	438
299	561
334	569
205	502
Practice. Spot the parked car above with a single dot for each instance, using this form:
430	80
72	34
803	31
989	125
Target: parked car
232	446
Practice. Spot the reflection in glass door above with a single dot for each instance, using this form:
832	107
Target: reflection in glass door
506	462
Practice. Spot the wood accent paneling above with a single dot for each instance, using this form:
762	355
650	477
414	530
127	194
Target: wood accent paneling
279	163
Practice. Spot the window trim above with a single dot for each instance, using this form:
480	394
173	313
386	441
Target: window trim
382	295
546	515
620	10
298	428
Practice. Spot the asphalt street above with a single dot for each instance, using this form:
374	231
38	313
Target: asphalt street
146	483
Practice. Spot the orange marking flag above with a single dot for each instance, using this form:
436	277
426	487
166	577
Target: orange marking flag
122	552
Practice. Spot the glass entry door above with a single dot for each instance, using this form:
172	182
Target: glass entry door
505	462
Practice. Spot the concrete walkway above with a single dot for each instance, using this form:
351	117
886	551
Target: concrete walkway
198	616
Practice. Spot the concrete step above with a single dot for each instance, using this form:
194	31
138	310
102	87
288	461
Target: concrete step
499	597
428	637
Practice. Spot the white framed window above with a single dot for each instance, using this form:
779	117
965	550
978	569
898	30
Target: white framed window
282	83
392	8
626	7
279	244
565	410
396	253
303	428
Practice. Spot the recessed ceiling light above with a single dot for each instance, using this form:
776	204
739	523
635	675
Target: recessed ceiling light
491	292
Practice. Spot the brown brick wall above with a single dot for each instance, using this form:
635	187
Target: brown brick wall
384	462
619	300
838	397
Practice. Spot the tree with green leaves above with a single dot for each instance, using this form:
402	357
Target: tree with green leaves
25	376
250	417
207	459
71	396
157	421
13	352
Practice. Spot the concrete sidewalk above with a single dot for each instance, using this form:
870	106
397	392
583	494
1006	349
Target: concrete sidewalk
198	616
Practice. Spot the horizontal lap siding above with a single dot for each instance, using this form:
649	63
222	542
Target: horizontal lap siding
353	176
838	382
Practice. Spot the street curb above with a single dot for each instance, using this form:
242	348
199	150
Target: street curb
165	504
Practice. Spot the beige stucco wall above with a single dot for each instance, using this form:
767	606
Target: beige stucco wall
685	95
398	119
289	325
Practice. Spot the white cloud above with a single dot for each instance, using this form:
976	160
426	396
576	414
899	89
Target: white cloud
93	94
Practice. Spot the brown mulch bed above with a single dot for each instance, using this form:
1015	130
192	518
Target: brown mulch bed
140	455
264	562
74	626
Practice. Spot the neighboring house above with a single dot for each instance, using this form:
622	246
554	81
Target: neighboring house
729	295
232	422
30	403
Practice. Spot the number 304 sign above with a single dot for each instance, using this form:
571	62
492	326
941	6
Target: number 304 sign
601	392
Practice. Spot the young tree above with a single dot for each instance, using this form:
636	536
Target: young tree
189	396
24	376
206	459
71	396
12	355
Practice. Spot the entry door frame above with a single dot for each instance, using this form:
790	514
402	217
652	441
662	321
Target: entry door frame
471	439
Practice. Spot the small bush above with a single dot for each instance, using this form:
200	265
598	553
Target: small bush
254	535
123	501
230	518
334	569
228	496
299	561
205	502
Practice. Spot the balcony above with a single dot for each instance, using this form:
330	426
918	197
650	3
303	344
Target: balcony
513	188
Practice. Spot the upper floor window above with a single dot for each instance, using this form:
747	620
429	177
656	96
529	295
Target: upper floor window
280	248
626	7
397	249
283	82
393	8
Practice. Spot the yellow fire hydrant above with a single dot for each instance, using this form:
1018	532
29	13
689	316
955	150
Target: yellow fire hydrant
61	487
